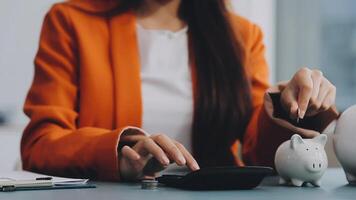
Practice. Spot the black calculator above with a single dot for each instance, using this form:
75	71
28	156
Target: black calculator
218	178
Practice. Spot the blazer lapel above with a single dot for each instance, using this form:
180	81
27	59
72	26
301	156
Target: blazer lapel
126	70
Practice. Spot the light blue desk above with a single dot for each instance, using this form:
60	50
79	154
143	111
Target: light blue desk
334	186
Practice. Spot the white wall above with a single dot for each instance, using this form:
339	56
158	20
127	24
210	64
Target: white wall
20	22
10	148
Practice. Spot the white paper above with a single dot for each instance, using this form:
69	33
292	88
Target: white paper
27	176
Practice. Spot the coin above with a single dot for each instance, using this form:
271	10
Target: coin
149	184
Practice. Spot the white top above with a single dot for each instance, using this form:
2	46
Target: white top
166	83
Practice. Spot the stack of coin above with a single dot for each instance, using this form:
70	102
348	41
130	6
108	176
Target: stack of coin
149	184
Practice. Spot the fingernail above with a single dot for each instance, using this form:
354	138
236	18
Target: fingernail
165	161
301	115
196	166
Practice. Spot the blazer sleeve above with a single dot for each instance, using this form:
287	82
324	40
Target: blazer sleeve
268	128
51	142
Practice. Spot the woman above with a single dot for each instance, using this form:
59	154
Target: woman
183	81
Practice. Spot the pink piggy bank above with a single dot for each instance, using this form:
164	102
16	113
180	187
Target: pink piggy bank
301	160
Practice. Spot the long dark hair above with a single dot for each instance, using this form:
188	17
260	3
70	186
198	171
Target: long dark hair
222	91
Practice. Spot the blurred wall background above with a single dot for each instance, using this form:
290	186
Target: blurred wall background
20	26
20	22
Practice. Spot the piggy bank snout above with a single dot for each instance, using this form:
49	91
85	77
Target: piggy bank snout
317	165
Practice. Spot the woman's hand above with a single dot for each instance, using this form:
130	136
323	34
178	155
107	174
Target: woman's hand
307	94
160	148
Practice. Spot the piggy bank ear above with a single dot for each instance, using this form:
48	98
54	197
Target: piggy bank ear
321	139
295	141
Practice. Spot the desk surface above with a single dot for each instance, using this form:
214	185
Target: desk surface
334	186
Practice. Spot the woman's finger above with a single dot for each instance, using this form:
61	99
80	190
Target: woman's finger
326	97
314	103
289	101
130	163
293	109
329	99
132	138
324	90
129	153
191	162
305	85
148	146
317	77
170	148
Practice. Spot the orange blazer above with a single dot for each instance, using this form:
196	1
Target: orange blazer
86	91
